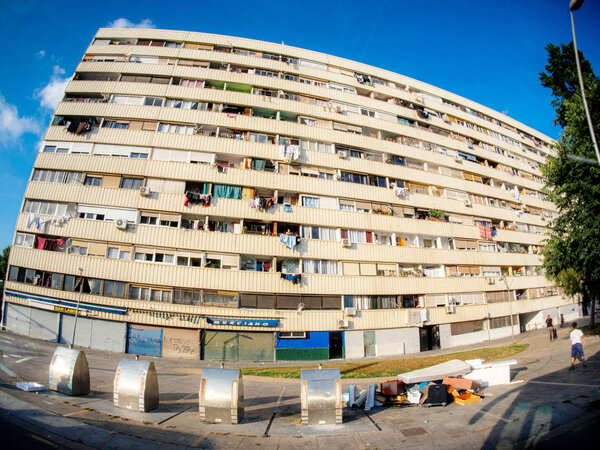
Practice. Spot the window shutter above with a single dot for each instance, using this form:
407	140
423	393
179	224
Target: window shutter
351	268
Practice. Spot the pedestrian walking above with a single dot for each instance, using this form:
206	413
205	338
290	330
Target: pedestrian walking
550	326
562	321
577	342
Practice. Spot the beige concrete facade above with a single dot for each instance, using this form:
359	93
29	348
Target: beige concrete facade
153	116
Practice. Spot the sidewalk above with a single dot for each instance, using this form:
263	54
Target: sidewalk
551	401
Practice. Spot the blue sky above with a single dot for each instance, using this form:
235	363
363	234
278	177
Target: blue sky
489	51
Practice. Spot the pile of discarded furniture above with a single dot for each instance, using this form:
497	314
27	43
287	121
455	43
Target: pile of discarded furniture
454	381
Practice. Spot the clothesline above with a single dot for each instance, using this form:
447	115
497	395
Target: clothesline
41	222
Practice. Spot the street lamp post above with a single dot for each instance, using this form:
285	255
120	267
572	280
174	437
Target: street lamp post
77	308
512	327
574	5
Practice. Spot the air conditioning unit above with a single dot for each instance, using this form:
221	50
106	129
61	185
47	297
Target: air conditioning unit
346	243
342	154
342	323
450	309
145	191
387	158
121	224
490	280
458	159
468	203
350	311
445	118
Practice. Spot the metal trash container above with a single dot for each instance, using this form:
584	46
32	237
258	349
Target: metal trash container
221	398
69	372
136	386
321	396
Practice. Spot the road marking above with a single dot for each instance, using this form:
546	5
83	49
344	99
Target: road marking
9	372
187	396
565	384
201	437
280	396
24	359
16	356
358	440
41	439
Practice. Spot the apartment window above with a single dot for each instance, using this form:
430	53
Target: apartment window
50	208
113	289
131	183
265	73
93	181
187	297
174	128
354	178
118	252
319	266
79	249
165	258
311	202
292	334
153	101
115	124
24	240
307	121
368	112
148	220
289	77
138	155
182	104
191	83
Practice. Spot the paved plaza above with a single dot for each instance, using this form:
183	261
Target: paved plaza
546	406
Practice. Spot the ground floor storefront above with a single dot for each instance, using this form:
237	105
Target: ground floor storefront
43	319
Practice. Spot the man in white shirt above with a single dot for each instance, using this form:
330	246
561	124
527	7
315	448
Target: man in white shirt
577	342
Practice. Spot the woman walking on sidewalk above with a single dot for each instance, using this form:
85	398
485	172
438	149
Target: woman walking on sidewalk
550	326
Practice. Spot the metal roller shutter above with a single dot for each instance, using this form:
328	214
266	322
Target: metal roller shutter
17	318
43	324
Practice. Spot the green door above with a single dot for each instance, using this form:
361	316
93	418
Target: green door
238	346
369	340
220	345
256	346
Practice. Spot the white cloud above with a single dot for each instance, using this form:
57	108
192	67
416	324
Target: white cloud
54	91
41	54
122	22
12	127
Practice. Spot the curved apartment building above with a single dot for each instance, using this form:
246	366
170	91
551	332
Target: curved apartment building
213	197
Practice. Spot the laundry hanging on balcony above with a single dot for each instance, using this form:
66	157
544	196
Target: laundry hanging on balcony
289	240
294	278
399	191
261	203
194	198
486	232
289	152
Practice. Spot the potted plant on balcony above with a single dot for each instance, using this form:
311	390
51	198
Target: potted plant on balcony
437	215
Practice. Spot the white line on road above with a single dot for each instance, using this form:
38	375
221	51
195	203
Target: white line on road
9	372
24	359
16	356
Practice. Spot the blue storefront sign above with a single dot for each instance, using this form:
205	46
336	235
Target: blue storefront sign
243	322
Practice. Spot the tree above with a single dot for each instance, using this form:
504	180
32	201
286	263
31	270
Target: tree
572	178
3	267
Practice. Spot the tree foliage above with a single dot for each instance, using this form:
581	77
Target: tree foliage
572	177
3	266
